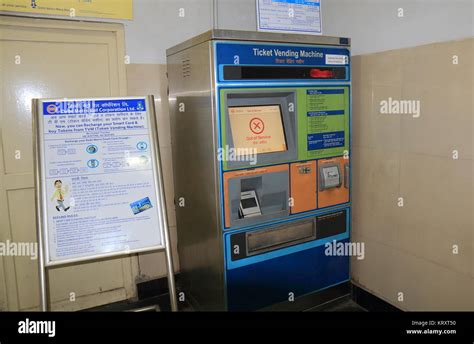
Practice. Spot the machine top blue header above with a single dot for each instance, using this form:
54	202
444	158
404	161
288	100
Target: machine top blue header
231	53
261	62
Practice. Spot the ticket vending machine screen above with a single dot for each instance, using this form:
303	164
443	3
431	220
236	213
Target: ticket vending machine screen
259	128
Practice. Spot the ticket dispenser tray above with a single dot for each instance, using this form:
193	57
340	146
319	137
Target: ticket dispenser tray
249	205
256	195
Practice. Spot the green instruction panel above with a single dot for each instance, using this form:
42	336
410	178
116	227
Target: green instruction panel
323	121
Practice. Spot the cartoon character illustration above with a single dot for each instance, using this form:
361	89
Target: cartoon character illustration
59	195
33	3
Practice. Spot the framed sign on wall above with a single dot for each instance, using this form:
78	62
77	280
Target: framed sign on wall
292	16
111	9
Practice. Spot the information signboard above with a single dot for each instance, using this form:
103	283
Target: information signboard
99	194
99	184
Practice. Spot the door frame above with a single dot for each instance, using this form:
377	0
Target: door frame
13	25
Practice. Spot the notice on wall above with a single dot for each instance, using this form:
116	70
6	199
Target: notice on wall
112	9
98	187
325	118
294	16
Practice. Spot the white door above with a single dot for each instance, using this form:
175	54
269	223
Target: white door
42	58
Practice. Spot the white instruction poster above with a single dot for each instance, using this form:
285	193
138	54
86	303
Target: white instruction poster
294	16
99	192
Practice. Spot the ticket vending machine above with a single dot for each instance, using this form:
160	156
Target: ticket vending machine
260	126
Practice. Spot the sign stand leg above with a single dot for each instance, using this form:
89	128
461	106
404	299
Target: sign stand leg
43	283
168	253
171	281
39	220
164	216
41	266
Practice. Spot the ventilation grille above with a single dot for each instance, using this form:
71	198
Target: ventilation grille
186	68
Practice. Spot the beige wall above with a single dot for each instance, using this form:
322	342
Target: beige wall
409	249
145	79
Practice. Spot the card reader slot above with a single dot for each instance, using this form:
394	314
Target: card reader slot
280	237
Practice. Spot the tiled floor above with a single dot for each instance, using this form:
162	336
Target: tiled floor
345	304
342	305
